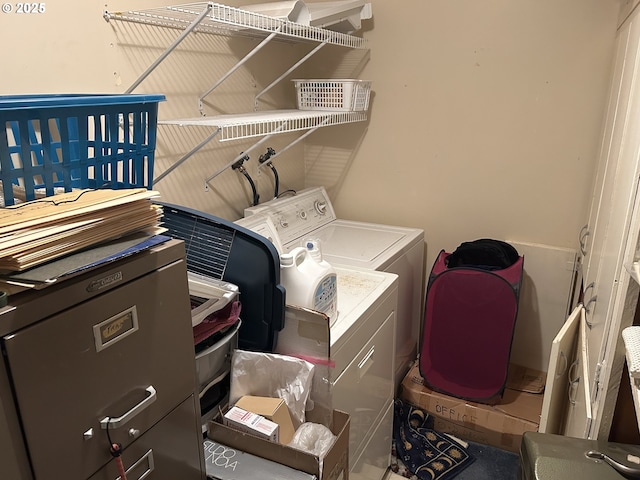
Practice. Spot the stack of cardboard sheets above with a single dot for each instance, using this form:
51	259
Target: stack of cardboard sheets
42	230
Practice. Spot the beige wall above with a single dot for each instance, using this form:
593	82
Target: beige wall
71	48
485	117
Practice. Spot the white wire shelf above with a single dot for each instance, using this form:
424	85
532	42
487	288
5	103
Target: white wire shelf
225	20
257	124
218	19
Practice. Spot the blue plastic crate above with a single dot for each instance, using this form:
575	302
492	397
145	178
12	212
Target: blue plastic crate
55	142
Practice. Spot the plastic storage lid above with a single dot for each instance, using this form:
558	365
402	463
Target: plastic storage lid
223	250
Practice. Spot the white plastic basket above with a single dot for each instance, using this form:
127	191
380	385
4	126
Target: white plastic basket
333	94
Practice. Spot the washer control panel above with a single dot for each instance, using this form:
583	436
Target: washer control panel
297	215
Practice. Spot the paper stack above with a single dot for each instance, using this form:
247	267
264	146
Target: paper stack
42	230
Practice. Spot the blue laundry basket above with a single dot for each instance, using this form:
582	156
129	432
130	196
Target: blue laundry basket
50	143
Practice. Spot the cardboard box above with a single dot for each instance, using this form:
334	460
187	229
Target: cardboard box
526	379
500	425
249	422
334	463
273	409
225	463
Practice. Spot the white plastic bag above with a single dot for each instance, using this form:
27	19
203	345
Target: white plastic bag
313	438
272	375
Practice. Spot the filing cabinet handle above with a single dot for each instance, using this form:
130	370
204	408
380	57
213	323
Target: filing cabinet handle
109	422
150	466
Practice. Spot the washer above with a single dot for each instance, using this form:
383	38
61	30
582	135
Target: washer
386	248
361	342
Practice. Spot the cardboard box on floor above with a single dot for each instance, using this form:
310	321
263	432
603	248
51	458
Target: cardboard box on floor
500	425
314	343
334	463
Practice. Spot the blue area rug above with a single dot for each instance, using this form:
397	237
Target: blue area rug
484	462
491	464
427	454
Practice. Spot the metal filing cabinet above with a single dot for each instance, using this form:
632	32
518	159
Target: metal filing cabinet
110	348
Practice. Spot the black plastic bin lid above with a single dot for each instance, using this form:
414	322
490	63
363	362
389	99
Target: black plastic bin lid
225	251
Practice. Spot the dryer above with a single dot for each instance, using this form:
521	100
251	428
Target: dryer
363	378
361	344
386	248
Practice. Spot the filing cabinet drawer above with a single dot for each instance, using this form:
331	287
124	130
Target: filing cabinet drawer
126	354
169	451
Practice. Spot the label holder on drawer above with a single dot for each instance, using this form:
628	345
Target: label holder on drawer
115	328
